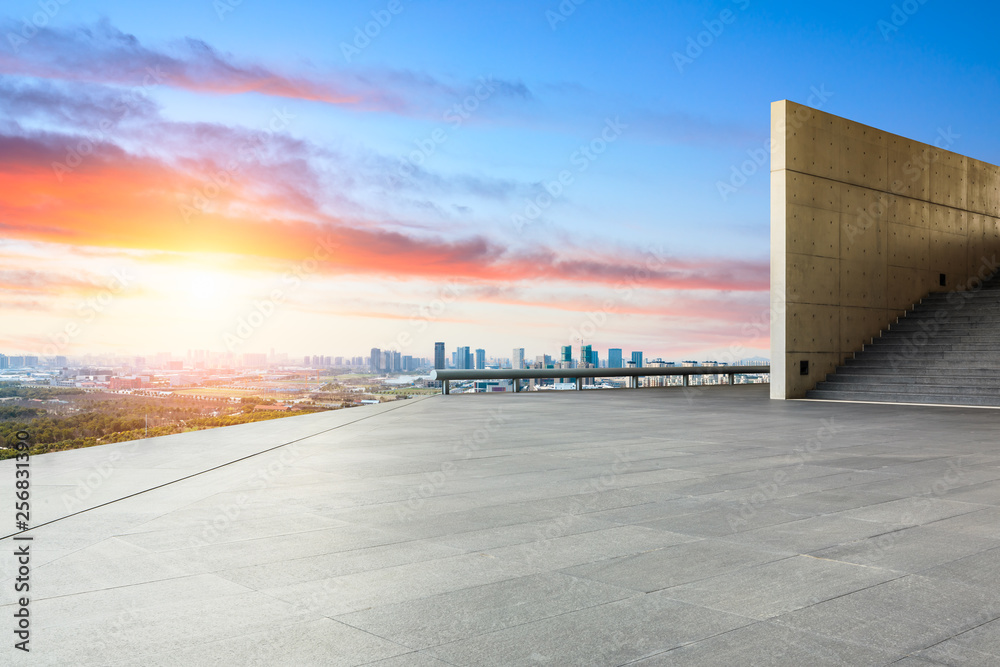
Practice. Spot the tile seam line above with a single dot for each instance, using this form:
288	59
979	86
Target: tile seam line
208	470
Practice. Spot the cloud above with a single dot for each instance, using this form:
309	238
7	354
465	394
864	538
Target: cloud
101	53
119	200
270	196
27	281
651	303
73	104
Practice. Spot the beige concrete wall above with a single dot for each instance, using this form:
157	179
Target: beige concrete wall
863	224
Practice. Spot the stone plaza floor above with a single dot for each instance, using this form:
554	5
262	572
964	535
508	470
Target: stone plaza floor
707	526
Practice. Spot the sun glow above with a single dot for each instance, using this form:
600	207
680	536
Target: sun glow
201	289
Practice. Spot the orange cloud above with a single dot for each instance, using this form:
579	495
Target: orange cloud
116	200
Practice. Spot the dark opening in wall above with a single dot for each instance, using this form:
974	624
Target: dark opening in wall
804	367
943	281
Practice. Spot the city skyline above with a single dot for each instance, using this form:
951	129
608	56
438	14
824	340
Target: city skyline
477	358
340	175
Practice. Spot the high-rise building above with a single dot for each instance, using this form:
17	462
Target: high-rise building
408	364
615	358
543	361
375	360
250	360
480	359
660	380
567	353
438	355
517	360
586	354
397	361
463	357
4	362
637	359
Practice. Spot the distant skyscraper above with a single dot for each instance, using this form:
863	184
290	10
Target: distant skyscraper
375	361
4	363
637	358
567	353
615	358
438	355
463	358
517	361
586	354
480	359
250	360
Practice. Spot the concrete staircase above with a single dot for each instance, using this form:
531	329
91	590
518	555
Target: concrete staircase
944	351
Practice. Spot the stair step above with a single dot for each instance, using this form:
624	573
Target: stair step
916	371
943	336
889	397
945	350
915	389
895	345
841	379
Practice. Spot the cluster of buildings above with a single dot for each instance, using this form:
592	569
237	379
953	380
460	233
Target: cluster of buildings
464	358
27	361
394	361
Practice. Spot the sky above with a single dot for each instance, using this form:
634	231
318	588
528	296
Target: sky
328	177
